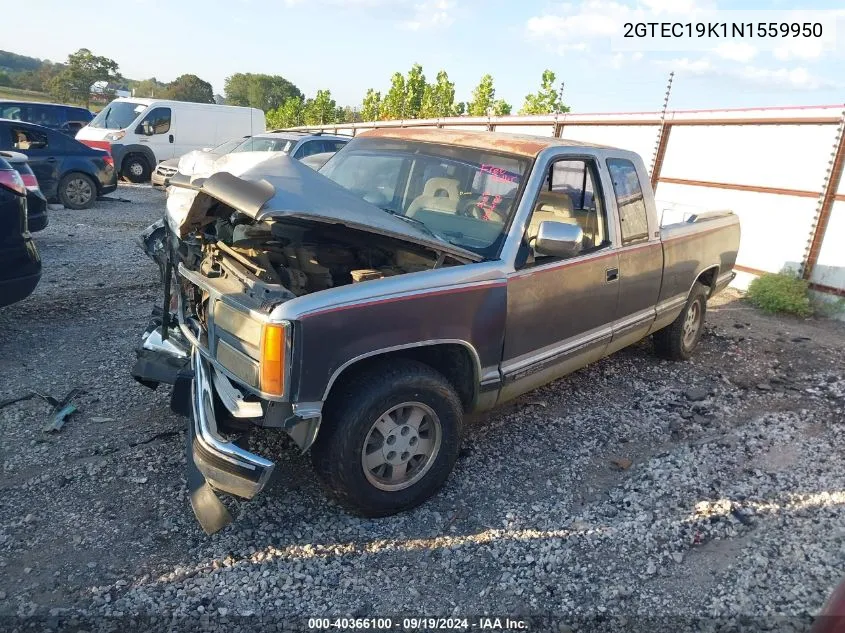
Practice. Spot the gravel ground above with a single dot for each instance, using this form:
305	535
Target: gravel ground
709	492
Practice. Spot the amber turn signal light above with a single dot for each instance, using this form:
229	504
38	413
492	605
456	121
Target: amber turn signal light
273	348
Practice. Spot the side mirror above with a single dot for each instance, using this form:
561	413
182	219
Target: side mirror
558	239
144	128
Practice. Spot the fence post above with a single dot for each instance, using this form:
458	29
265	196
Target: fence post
831	185
662	137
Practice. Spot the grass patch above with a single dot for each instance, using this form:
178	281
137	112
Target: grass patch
19	94
781	293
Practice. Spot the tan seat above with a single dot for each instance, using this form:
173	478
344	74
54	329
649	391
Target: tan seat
555	206
439	194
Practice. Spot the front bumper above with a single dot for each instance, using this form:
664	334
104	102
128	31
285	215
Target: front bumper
226	466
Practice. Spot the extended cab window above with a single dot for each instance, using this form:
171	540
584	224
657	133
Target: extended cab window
569	196
629	200
157	121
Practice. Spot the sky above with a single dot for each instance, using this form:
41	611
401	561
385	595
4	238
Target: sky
348	46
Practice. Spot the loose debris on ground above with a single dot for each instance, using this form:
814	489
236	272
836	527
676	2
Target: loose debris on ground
634	489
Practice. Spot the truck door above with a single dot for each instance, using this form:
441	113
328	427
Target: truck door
560	310
640	255
156	130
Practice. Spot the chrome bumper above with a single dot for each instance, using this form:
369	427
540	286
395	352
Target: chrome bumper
225	465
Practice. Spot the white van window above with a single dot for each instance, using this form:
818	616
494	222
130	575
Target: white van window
157	121
117	115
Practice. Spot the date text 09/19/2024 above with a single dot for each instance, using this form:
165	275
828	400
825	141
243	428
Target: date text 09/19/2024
419	624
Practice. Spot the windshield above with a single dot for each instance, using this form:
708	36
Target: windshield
118	115
228	146
265	144
462	195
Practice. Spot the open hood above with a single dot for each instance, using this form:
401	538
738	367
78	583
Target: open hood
281	187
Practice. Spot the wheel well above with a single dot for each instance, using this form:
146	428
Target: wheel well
73	172
135	155
453	360
708	277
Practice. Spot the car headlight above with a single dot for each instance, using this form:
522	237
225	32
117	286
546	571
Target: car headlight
115	136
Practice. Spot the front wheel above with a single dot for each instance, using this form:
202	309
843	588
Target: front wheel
77	191
136	169
389	439
679	340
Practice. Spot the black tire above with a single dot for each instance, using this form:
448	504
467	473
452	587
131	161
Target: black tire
136	168
674	342
349	419
77	190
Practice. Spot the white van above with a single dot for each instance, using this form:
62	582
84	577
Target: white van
140	133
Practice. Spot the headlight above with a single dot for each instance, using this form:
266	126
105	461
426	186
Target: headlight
274	343
115	136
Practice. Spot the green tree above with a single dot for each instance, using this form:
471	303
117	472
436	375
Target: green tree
289	114
347	114
321	109
460	108
83	69
546	100
189	88
266	92
371	105
393	106
483	97
5	79
149	88
414	90
439	98
501	107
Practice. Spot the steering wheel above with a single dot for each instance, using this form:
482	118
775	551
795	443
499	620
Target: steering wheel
471	210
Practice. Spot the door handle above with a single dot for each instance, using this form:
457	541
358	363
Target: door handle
51	160
611	274
171	138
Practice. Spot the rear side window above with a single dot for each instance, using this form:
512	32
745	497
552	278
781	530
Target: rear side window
79	114
10	112
629	200
308	148
26	139
51	116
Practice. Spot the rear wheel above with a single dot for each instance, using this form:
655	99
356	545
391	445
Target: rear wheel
389	439
679	340
77	191
135	168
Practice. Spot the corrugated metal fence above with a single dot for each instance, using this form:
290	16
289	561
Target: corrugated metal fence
779	169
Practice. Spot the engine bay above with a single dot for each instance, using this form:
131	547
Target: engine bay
307	257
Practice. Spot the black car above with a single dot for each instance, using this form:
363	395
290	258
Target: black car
20	264
56	116
36	203
68	171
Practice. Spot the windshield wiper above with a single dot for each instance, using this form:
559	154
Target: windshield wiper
416	222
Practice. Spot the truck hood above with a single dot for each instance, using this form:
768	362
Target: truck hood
280	187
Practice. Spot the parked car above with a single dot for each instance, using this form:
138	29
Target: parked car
140	133
299	145
420	275
260	147
36	203
20	264
67	171
166	168
315	161
56	116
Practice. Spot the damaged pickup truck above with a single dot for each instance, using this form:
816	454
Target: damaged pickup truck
421	275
